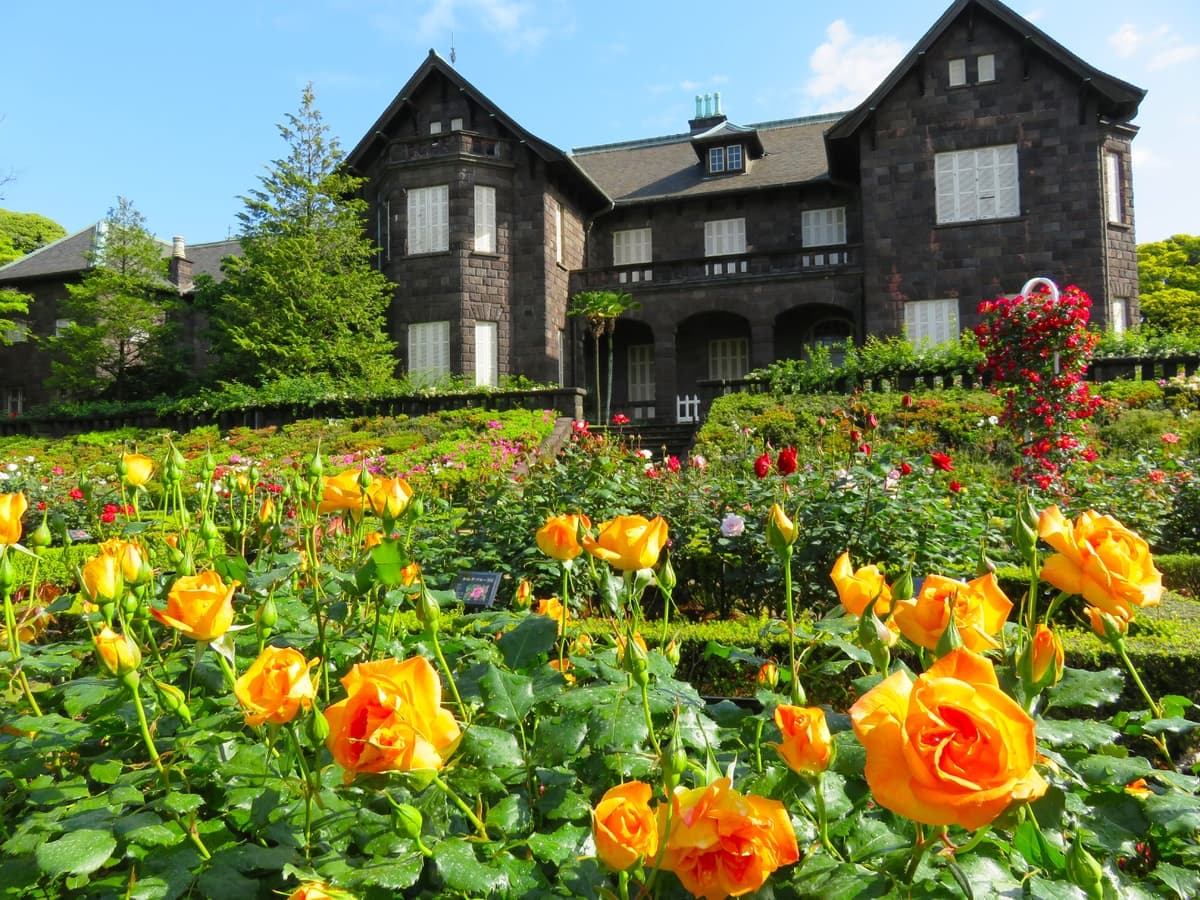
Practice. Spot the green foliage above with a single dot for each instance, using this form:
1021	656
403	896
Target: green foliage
12	303
304	298
602	309
1169	283
22	233
121	338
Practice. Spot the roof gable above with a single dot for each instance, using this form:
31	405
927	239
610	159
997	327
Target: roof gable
67	255
1119	99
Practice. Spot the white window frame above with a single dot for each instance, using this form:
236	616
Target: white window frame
716	160
485	219
19	333
724	237
558	248
985	68
14	401
435	127
977	184
1118	311
728	358
61	325
428	351
429	219
640	369
1114	197
632	246
562	356
957	72
734	152
456	124
823	227
931	321
487	353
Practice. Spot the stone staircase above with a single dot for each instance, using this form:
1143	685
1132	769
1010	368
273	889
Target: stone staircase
654	436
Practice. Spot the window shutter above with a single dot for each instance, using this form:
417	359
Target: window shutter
417	222
439	217
947	184
485	219
1008	194
486	353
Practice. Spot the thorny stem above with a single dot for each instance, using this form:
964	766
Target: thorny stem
308	789
480	828
14	648
791	620
1155	708
920	845
437	650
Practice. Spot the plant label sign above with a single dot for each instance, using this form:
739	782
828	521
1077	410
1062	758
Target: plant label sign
477	590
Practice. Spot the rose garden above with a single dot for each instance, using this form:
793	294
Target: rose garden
882	644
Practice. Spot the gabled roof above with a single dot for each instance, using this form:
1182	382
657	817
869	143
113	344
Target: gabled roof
726	131
551	155
70	255
1118	99
665	168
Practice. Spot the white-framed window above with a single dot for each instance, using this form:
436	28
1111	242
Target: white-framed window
931	321
456	124
18	334
61	325
1118	310
435	127
733	158
1114	197
728	358
631	247
428	351
562	356
821	227
487	354
985	68
958	72
977	184
14	401
724	237
485	219
641	378
429	219
716	159
558	254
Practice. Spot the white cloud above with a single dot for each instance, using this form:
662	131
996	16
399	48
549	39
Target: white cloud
1129	40
1034	15
1159	48
511	20
846	68
1171	56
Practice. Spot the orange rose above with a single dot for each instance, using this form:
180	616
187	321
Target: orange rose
624	827
136	469
1042	662
559	537
723	844
101	578
629	542
342	493
389	497
319	890
949	749
806	746
392	719
782	531
118	653
1105	625
129	556
276	686
1101	560
266	512
200	606
12	507
980	610
768	676
857	588
552	607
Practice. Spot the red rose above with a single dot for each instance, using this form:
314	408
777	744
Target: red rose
941	461
786	464
956	486
905	469
762	465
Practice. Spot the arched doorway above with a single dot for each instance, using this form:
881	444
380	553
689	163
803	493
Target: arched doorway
800	329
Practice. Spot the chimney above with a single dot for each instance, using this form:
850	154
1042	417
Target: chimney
179	270
708	113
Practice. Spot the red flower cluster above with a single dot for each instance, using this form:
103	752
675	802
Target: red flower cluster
1038	351
784	464
941	461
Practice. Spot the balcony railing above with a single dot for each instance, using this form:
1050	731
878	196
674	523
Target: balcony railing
451	143
806	261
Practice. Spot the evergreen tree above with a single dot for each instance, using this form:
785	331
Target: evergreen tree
303	299
120	314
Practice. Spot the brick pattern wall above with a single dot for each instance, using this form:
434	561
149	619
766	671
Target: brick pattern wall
1032	103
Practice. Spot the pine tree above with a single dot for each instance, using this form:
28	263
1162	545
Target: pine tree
119	314
303	299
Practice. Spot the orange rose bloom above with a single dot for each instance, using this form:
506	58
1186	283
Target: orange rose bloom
138	469
276	686
1044	660
319	890
200	606
857	588
949	749
392	719
723	844
1105	625
552	607
118	653
624	827
559	537
389	497
629	542
980	610
129	556
342	493
1101	560
101	578
806	747
12	507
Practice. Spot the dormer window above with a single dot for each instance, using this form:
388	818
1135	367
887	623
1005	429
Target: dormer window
725	159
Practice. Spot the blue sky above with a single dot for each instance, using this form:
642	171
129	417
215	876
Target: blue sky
175	106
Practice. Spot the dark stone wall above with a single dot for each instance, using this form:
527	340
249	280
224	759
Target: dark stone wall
1033	102
26	365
